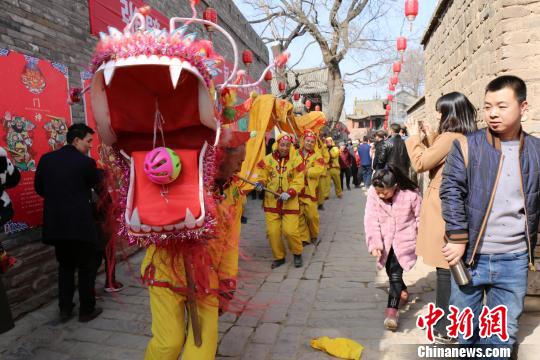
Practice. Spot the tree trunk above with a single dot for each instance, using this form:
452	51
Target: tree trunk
336	94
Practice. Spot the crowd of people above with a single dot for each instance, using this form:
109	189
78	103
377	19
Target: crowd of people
481	208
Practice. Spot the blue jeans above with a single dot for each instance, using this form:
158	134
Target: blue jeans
366	175
503	278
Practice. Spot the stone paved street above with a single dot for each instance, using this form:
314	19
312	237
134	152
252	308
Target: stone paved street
338	293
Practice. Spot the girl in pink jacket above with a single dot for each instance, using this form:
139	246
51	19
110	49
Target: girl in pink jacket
391	223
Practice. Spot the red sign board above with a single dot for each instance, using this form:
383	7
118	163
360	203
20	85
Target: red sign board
118	13
35	117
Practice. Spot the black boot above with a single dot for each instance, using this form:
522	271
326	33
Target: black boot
90	316
277	263
298	261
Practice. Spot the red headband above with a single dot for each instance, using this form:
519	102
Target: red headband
285	138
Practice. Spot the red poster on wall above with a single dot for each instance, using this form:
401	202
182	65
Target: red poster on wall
35	117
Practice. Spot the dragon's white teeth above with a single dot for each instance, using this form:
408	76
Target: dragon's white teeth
180	226
135	221
168	227
157	228
108	71
190	219
146	228
175	69
200	222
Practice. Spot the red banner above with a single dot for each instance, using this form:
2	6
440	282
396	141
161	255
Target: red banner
35	117
118	13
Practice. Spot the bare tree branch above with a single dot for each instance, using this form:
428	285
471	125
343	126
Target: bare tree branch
269	17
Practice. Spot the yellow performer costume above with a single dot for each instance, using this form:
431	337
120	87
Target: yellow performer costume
166	280
333	166
282	174
323	189
314	167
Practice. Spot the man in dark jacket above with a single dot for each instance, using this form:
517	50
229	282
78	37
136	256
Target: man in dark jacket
379	162
394	151
65	178
491	206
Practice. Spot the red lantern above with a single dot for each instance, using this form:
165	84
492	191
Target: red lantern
317	107
388	107
396	67
268	76
402	44
390	97
75	96
394	80
247	57
391	87
210	14
296	96
308	104
411	9
281	87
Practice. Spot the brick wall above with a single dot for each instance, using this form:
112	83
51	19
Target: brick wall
470	42
59	30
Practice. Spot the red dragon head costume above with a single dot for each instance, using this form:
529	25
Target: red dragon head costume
155	88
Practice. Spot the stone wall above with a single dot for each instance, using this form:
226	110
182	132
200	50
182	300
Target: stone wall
59	30
470	42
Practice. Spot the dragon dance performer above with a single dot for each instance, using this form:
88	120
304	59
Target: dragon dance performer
333	166
167	298
323	190
282	174
153	96
314	167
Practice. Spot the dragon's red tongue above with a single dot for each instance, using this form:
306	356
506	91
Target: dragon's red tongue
156	210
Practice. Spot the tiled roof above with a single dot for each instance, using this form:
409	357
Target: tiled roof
367	108
312	81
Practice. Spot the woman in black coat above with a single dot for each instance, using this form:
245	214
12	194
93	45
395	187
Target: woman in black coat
9	177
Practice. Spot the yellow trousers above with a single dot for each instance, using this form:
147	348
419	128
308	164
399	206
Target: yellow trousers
309	220
169	327
334	175
323	190
276	225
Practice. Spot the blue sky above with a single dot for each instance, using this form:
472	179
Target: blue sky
388	28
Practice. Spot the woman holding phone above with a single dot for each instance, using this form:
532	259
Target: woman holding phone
428	151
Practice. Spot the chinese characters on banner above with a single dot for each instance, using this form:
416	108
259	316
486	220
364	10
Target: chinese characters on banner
35	117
